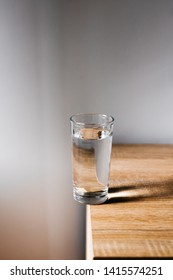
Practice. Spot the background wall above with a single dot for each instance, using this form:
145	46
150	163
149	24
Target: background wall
62	57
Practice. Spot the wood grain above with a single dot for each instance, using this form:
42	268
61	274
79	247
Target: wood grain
137	219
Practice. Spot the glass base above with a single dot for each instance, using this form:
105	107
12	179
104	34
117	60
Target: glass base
91	197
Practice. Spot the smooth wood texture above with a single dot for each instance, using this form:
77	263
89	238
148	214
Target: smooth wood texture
137	220
89	244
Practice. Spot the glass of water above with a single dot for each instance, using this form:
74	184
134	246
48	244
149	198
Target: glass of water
91	151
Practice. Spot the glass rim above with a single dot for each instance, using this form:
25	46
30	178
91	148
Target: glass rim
109	118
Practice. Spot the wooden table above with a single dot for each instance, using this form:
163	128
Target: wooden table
137	220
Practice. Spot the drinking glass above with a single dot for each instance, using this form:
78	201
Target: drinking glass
91	136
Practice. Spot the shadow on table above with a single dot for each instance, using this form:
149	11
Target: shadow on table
140	190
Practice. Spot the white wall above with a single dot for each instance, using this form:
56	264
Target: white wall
38	217
118	55
62	57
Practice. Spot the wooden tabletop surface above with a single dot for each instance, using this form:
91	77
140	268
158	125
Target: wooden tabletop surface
137	220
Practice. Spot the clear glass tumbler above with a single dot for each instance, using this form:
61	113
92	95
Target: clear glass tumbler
91	152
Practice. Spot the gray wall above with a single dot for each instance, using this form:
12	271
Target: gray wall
62	57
